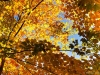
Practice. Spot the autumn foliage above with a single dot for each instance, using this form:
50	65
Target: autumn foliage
34	37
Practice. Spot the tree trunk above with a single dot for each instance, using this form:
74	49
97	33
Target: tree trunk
2	64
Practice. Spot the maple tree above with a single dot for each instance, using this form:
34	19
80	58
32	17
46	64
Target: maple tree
33	37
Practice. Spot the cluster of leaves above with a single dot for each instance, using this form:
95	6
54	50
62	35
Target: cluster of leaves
79	50
87	23
49	63
48	57
36	46
89	4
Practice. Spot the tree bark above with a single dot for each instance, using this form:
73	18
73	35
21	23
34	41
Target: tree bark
2	64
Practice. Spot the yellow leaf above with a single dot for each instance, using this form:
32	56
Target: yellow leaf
8	7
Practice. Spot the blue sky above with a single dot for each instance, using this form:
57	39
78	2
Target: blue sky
74	36
77	37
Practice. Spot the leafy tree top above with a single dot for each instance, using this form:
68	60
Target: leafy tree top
33	36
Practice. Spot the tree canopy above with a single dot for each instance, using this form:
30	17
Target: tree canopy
34	37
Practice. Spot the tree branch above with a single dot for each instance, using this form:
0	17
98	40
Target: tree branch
19	29
25	50
20	17
26	68
28	15
65	50
12	30
34	64
31	50
2	64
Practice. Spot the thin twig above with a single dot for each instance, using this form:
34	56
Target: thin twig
19	28
25	50
31	50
